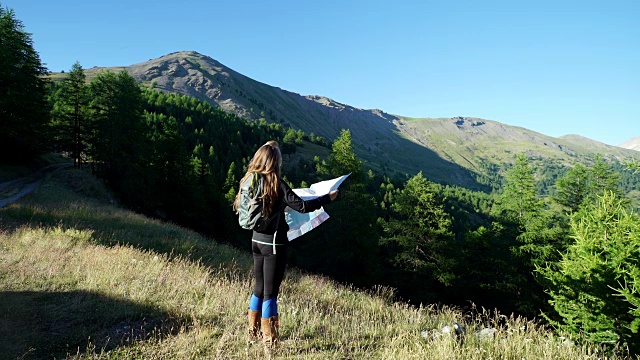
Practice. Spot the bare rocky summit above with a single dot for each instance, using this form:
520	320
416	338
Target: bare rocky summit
632	144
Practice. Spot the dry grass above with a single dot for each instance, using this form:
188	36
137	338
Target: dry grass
81	278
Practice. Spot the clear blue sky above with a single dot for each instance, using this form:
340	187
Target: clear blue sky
556	67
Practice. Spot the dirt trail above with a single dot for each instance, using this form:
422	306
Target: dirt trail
15	189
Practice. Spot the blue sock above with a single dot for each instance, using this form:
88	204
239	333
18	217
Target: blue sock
269	308
255	303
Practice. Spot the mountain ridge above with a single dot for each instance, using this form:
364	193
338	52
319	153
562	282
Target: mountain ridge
632	144
451	150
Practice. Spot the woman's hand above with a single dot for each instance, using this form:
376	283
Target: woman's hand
333	195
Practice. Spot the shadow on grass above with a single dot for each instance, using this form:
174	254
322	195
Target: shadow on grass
37	325
62	205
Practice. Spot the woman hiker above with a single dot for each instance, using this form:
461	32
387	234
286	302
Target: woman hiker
269	246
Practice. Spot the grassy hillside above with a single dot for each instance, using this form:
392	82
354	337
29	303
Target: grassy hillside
82	278
467	141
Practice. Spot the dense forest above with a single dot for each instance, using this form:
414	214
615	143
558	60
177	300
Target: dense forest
565	250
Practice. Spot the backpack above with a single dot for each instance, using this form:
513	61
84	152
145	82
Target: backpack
251	204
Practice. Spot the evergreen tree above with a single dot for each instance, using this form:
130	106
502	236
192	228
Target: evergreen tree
230	183
169	180
24	113
581	185
119	142
634	166
519	200
602	178
343	159
418	237
347	245
539	234
71	114
572	188
487	269
601	265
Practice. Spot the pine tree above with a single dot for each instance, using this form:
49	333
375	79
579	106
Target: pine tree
602	178
230	183
581	186
169	161
601	265
119	144
418	235
572	188
519	200
539	234
71	114
349	248
24	112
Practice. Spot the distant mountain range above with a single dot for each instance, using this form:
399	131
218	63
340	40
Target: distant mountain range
455	150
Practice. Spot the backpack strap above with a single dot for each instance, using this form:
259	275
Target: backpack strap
276	232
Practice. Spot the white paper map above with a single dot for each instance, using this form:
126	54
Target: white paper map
299	223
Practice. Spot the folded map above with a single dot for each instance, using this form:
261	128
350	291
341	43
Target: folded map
299	223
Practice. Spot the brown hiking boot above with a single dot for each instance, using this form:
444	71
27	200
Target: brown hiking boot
270	333
254	326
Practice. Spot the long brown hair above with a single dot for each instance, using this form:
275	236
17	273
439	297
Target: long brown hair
267	162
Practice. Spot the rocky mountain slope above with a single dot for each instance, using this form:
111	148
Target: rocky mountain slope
452	150
633	144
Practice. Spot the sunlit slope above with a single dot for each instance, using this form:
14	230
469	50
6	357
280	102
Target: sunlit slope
467	141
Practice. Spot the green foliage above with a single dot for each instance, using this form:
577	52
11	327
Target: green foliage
603	179
631	293
635	166
571	189
118	143
417	238
24	112
293	137
317	139
580	186
603	263
538	233
346	248
519	200
486	266
70	115
343	159
171	186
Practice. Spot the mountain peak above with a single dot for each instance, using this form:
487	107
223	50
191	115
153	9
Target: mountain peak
184	53
632	144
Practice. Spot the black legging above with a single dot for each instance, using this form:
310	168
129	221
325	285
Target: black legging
268	269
